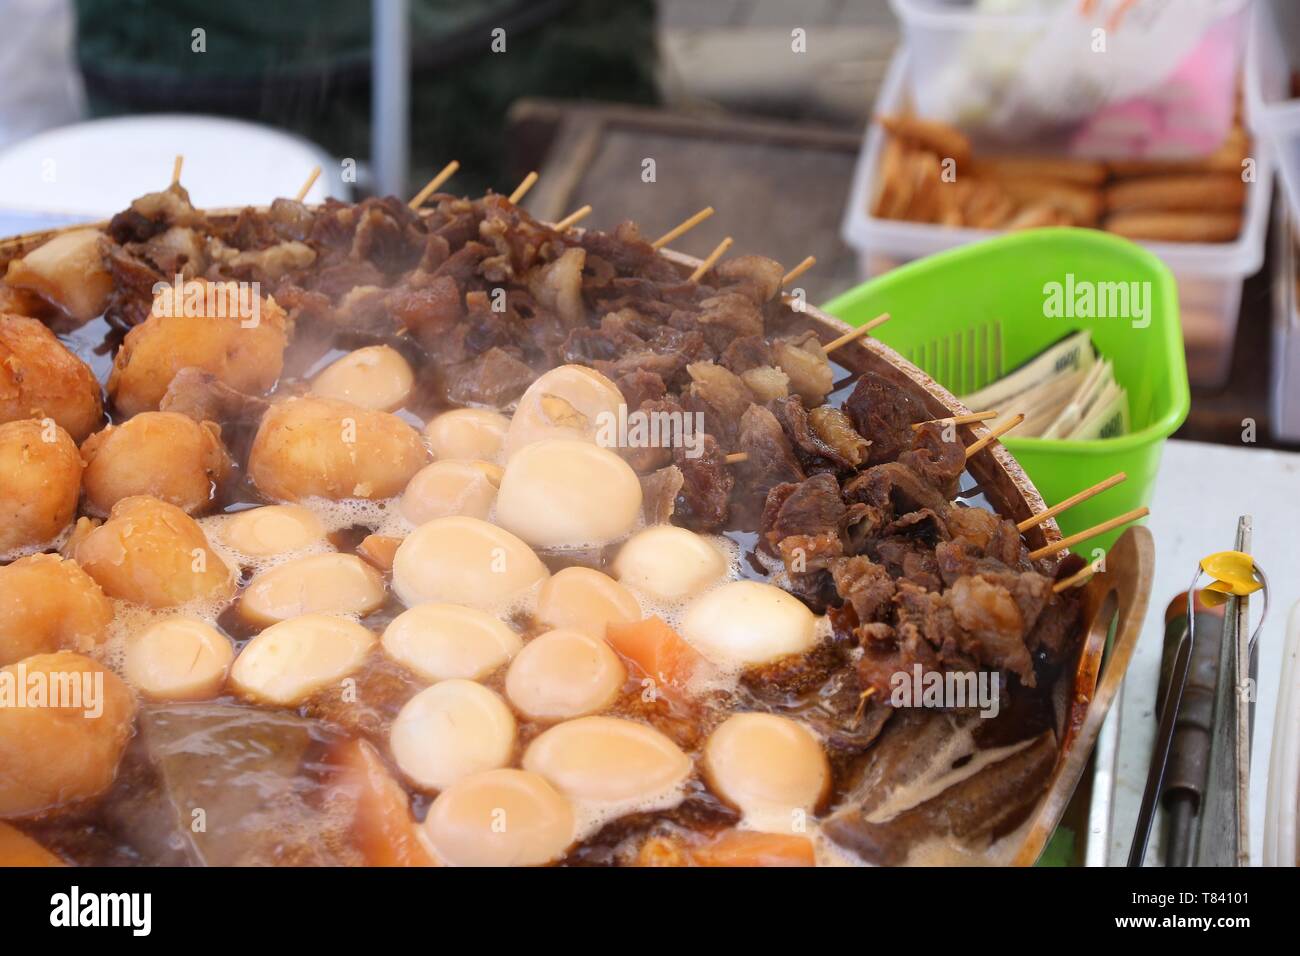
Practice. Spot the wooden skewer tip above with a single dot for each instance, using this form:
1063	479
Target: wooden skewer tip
994	434
800	269
1071	501
522	189
969	419
576	216
434	184
306	187
1078	578
860	332
177	163
718	252
682	228
1092	532
736	457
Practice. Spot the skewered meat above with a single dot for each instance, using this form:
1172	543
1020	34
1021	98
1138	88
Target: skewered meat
895	489
804	360
770	460
883	416
936	459
707	481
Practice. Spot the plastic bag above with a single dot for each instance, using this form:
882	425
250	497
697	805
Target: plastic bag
1102	78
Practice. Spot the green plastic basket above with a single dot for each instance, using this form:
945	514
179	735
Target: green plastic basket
963	314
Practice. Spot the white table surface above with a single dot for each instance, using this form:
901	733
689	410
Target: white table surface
1200	492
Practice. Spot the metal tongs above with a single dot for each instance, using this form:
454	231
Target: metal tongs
1221	834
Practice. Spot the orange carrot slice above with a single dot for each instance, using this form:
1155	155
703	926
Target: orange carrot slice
383	828
18	849
749	848
658	651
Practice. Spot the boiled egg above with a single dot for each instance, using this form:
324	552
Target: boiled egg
376	376
447	641
562	674
608	760
769	767
451	487
500	818
570	401
473	433
272	529
290	661
180	658
747	622
451	730
461	560
560	493
669	563
583	599
318	584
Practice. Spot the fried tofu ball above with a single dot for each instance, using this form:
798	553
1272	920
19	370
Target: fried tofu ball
40	378
321	447
54	755
47	603
153	553
164	454
212	330
40	480
69	271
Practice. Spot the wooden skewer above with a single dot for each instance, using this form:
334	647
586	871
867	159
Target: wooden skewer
856	334
683	228
1071	501
1074	580
996	433
865	696
799	270
433	184
576	216
522	189
736	457
968	419
177	163
1102	528
718	252
306	187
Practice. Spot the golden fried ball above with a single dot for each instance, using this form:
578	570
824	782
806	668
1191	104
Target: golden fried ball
164	454
47	603
40	378
153	553
40	480
309	447
55	755
243	350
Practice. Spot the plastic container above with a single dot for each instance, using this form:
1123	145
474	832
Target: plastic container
1268	93
970	62
993	292
1209	275
1285	391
